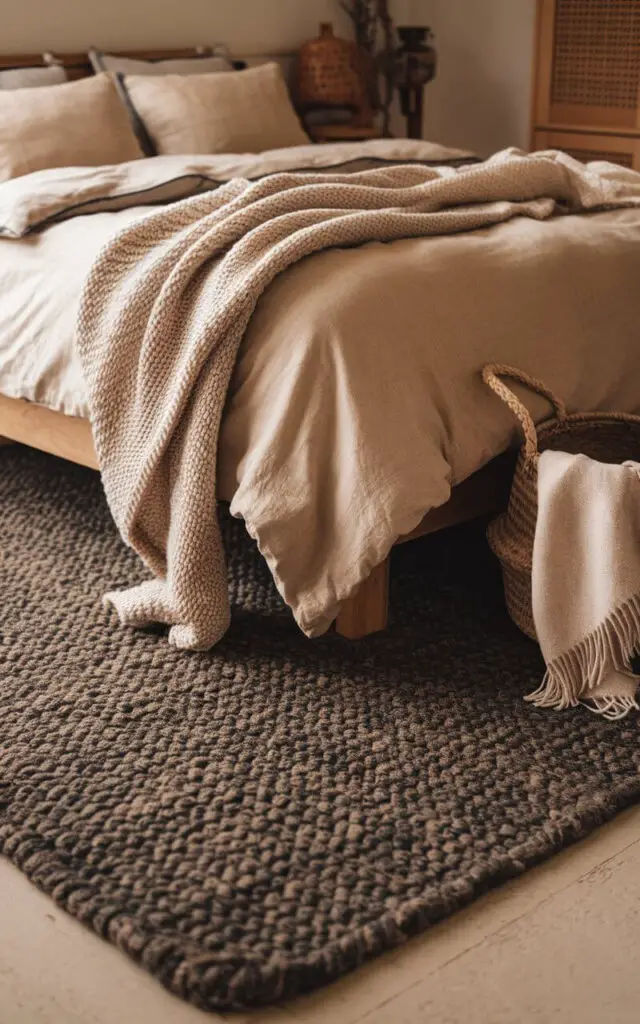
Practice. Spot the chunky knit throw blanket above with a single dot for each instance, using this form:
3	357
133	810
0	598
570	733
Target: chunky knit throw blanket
586	582
164	310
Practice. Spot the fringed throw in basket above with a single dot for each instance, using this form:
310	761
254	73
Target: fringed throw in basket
608	437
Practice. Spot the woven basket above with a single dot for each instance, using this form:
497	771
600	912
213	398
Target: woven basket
330	73
606	436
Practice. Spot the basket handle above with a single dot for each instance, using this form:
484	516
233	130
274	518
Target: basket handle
491	375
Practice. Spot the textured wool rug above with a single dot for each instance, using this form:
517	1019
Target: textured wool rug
256	821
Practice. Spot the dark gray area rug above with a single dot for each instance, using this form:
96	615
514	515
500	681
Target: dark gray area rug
254	822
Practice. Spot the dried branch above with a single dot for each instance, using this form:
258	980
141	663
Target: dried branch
372	20
388	61
364	18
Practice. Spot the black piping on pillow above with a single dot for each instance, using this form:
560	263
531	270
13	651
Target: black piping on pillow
147	144
95	59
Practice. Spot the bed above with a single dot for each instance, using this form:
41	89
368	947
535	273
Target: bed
600	256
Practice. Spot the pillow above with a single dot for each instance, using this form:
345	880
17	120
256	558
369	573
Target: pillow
176	66
120	66
285	61
78	124
29	78
237	112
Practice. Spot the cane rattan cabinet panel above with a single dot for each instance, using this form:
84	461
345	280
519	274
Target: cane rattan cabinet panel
587	78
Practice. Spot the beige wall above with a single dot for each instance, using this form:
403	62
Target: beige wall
480	99
248	26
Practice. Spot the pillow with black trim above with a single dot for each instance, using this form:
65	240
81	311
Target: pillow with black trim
237	112
203	63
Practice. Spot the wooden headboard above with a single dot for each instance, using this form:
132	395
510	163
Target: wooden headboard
77	65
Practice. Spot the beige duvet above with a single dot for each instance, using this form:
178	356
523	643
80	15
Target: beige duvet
336	440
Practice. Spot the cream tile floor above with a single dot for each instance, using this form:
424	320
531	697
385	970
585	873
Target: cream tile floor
560	944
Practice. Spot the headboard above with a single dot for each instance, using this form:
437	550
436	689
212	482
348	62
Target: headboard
77	65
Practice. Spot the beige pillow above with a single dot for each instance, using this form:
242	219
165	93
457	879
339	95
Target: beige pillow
232	112
32	78
199	65
78	124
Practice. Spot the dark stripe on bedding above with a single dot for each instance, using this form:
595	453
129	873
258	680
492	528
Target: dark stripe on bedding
204	183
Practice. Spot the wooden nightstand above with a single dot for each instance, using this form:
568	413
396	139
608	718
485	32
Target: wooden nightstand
341	133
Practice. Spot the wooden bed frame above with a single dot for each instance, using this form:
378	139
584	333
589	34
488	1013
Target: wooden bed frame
69	437
484	493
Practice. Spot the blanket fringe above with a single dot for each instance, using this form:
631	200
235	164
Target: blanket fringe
572	678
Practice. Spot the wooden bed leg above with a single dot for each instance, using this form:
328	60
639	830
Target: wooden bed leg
367	612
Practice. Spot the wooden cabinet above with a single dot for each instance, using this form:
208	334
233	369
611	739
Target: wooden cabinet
587	79
587	146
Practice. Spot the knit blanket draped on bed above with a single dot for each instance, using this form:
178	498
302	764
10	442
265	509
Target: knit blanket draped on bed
586	582
164	310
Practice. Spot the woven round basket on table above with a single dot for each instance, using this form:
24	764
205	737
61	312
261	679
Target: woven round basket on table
605	436
330	73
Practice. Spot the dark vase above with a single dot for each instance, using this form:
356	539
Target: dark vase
416	66
413	37
417	57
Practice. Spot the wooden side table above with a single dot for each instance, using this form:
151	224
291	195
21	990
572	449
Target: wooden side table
341	133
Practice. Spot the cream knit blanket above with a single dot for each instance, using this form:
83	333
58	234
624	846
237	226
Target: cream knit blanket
167	302
586	582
